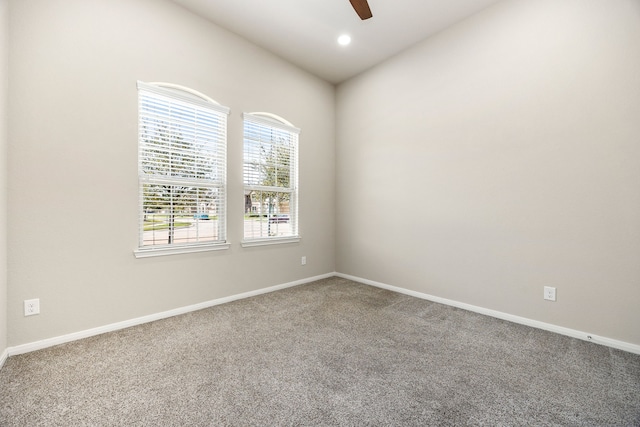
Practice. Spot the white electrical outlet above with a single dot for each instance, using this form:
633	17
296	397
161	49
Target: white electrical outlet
303	260
549	293
31	307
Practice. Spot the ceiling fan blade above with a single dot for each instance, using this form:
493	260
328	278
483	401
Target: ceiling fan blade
362	8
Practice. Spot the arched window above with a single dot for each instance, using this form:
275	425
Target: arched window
182	160
270	180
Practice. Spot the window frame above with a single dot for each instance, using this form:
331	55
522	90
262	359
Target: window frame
273	121
176	96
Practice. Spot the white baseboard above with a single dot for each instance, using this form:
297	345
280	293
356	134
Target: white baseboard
585	336
39	345
3	357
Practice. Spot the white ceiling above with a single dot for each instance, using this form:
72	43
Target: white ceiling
304	32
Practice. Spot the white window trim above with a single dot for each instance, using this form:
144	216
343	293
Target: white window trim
270	119
198	98
270	241
178	250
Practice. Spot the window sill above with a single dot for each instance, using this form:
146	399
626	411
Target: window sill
153	252
270	241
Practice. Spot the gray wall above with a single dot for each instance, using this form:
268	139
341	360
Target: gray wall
495	158
500	156
4	28
73	194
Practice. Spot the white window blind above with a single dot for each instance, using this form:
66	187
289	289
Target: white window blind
181	168
270	179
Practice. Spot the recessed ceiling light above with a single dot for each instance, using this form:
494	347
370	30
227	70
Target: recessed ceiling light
344	39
